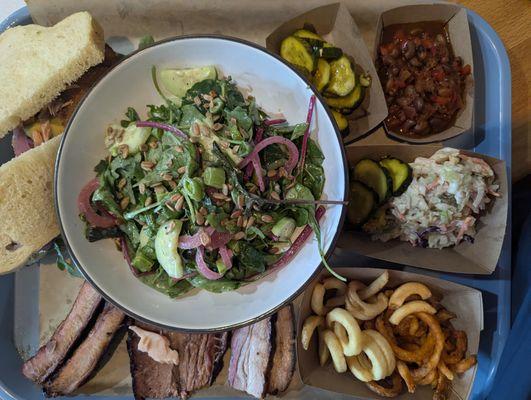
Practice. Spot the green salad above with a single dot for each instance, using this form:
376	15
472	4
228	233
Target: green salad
207	191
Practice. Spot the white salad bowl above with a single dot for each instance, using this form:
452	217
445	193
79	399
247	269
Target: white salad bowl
278	88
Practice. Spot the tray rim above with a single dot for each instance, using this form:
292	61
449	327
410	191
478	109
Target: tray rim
502	275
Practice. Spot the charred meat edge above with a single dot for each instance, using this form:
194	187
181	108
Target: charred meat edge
284	354
65	337
85	359
251	353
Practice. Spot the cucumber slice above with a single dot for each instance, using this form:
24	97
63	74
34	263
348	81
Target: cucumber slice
298	53
400	172
341	121
306	34
377	178
363	201
349	102
342	77
178	81
321	77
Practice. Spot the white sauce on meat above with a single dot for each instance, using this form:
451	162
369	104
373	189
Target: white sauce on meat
156	346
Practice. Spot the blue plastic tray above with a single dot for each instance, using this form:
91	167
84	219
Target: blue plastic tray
492	136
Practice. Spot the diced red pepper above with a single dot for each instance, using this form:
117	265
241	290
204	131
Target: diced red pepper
438	74
440	100
427	43
466	70
399	35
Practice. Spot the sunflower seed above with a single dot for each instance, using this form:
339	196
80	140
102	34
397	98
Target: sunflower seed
267	218
250	222
124	202
148	201
179	149
219	196
175	197
240	235
236	214
195	129
199	219
121	183
204	238
225	189
182	170
167	177
275	195
123	149
147	165
271	173
179	204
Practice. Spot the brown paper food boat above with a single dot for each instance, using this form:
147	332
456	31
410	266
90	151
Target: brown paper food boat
479	257
456	21
337	26
465	302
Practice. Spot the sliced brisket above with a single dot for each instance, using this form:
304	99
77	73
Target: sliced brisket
54	352
283	362
249	361
151	379
200	359
84	361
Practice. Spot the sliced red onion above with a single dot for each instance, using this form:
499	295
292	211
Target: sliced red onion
269	122
226	256
306	135
160	125
187	242
20	141
85	207
257	139
259	135
293	250
292	149
217	239
203	267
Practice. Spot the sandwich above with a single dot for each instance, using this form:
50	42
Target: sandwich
45	72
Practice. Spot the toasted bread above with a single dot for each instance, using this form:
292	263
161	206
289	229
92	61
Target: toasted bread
38	63
26	205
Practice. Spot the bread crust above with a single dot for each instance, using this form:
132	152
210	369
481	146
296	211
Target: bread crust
38	63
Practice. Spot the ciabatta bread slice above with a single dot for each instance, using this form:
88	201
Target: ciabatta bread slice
38	63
